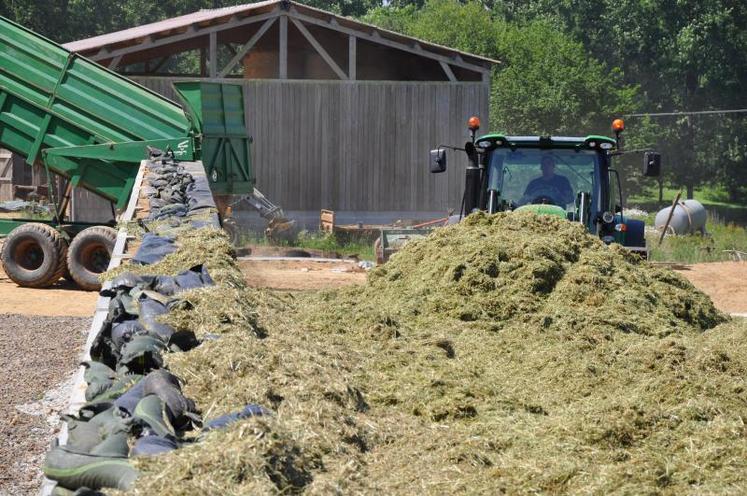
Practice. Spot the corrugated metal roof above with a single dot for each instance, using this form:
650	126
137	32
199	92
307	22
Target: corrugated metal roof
217	16
145	30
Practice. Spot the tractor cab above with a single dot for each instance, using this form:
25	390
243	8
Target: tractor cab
568	177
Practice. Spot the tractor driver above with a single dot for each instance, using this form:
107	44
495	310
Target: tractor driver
549	187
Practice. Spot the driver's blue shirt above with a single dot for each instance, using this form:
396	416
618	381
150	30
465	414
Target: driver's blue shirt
557	183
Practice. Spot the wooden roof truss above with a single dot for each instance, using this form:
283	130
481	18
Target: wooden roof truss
163	47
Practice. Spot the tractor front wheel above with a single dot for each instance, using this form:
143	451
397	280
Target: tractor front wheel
89	255
33	255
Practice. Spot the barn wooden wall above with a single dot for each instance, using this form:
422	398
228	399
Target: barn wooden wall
359	146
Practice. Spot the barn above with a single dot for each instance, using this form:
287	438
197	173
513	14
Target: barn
342	113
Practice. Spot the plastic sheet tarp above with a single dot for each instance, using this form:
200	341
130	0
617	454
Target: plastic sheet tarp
153	249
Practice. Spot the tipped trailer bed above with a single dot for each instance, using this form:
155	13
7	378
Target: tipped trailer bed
93	127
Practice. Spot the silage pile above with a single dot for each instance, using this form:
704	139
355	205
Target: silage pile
511	353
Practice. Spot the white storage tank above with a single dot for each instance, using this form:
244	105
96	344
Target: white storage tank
689	217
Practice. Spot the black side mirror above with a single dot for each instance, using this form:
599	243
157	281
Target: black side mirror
651	164
438	160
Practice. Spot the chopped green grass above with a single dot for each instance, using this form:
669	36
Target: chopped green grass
508	354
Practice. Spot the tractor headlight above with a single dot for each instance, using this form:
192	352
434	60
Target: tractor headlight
608	217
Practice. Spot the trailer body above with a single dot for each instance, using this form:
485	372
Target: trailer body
93	127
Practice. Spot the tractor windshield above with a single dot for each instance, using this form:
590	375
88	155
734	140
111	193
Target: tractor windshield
533	176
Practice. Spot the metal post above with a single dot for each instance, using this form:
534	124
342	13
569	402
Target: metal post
352	58
669	218
65	201
283	53
213	55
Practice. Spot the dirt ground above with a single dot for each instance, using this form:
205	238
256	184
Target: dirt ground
61	300
38	356
724	282
300	274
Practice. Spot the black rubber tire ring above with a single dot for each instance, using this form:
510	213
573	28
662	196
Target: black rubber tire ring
92	240
47	241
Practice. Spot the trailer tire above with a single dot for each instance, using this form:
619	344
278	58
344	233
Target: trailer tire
34	255
89	255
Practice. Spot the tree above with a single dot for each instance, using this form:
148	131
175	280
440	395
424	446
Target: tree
685	55
546	82
550	85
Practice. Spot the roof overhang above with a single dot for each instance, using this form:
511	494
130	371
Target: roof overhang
115	45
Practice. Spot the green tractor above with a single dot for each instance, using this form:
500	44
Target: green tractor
569	177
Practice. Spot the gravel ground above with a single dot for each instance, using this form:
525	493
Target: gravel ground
38	356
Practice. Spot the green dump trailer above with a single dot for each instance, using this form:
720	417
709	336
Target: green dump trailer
93	127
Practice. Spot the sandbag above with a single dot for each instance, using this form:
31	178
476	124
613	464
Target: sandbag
127	281
83	491
129	400
84	434
150	414
99	378
153	445
226	420
73	470
123	332
97	372
115	389
172	209
102	349
199	195
90	410
150	310
196	277
113	445
110	422
142	354
165	385
121	307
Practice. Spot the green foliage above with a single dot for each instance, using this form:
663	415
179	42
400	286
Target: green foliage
719	243
546	82
331	243
467	27
550	85
716	246
334	244
685	55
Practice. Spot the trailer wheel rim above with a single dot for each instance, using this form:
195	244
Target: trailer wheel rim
29	255
95	258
